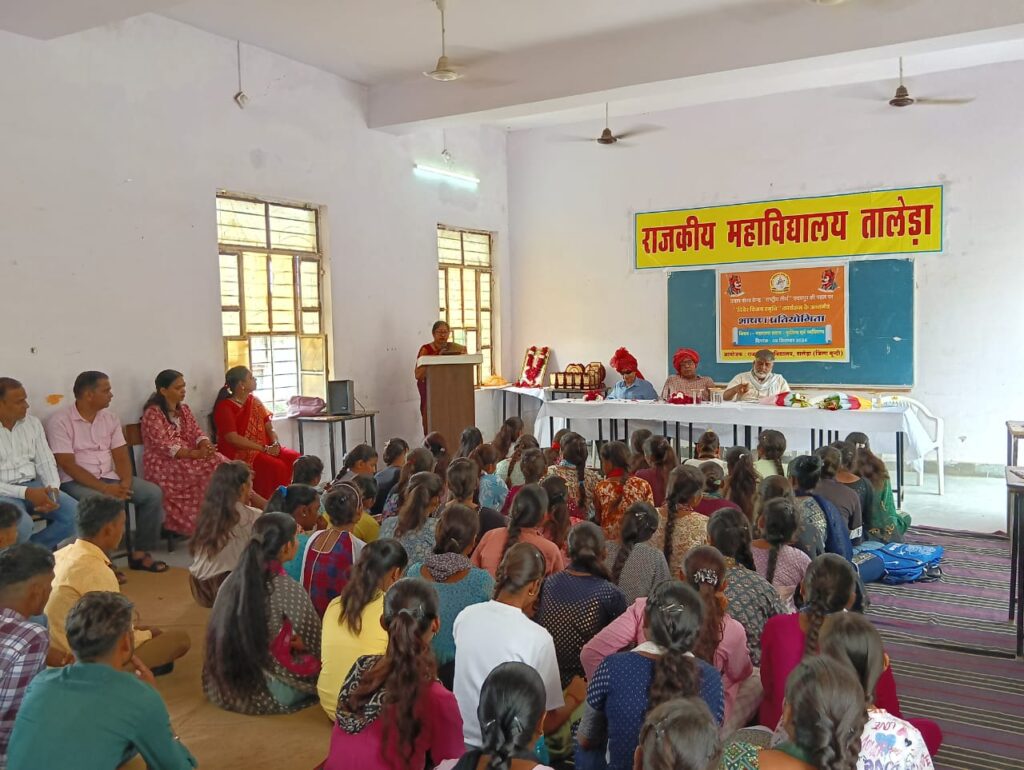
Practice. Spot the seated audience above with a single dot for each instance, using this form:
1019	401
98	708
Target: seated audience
776	559
708	450
618	490
533	468
842	497
302	503
510	469
93	458
523	525
681	527
627	685
686	381
308	470
9	520
396	451
637	458
771	446
714	484
457	582
351	627
759	383
29	479
413	527
861	487
752	599
500	630
463	478
84	566
580	600
327	559
822	527
493	490
824	719
888	523
680	734
263	637
392	712
507	435
420	460
741	483
887	740
245	431
636	566
360	459
511	712
580	479
223	530
26	575
632	386
176	455
367	528
105	704
470	439
661	461
557	521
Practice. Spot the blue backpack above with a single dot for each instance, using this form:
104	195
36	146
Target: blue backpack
905	563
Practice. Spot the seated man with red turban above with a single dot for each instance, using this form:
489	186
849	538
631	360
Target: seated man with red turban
633	386
687	380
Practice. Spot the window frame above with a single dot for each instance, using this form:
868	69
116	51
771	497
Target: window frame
478	271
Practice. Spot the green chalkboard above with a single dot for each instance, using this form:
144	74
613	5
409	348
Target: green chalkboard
881	332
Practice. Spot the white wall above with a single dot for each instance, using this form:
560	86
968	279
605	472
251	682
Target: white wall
113	144
571	205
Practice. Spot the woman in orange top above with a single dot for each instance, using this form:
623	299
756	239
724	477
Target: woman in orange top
618	490
524	525
439	347
244	431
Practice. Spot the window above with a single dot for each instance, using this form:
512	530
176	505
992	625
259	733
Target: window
465	290
271	272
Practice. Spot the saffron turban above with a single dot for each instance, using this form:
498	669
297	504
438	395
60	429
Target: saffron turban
682	354
624	361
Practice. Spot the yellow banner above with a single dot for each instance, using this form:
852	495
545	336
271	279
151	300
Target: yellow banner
904	221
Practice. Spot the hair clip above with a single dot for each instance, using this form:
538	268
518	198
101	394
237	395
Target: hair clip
706	575
673	608
283	490
416	613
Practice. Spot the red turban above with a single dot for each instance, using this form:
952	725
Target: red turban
682	354
624	361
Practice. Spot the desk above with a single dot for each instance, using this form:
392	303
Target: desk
1014	433
537	393
329	420
1015	500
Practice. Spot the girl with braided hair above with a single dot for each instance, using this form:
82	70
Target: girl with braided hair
327	559
618	490
525	519
771	446
638	455
533	467
681	528
636	566
392	712
580	479
463	481
510	470
500	630
627	685
511	713
741	483
507	435
679	734
776	559
557	522
413	527
708	449
492	490
661	460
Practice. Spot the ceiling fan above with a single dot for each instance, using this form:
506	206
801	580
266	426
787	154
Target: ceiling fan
607	137
904	99
443	70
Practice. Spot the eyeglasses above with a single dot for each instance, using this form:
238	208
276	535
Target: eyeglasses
625	374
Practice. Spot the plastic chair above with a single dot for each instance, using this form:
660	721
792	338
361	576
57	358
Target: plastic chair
936	429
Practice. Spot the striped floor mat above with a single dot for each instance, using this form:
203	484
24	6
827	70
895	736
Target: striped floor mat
953	651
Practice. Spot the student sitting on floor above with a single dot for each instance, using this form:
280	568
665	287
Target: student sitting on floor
26	574
263	636
413	527
392	712
463	481
302	503
510	470
679	734
523	526
775	557
396	450
105	705
534	467
83	566
367	528
308	470
222	530
681	528
741	484
9	518
822	527
636	566
362	458
327	558
492	489
661	461
618	490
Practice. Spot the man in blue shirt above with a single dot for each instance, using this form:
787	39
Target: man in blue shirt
633	386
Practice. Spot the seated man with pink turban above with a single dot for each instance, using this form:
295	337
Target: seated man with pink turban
687	381
633	386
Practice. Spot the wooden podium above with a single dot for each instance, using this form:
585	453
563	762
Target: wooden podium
450	398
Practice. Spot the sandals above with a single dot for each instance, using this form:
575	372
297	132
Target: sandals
152	566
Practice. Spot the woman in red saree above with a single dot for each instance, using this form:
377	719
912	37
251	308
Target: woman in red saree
244	431
440	346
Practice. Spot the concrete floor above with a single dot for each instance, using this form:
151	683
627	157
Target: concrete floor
971	503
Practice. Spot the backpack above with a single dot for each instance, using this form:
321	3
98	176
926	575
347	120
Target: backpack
905	563
869	564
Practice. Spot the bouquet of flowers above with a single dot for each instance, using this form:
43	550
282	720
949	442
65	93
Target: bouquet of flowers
534	364
836	402
788	399
680	398
593	395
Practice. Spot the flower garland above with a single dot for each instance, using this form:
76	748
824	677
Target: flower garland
594	395
533	368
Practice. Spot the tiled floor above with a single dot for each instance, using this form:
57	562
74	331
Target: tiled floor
971	503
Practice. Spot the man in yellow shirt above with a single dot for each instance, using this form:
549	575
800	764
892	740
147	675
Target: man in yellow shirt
83	566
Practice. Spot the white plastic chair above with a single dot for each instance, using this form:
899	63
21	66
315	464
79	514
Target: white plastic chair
936	429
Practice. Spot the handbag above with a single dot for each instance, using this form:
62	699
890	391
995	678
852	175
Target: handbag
305	406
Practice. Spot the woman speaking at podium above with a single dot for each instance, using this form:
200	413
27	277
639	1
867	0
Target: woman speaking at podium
440	346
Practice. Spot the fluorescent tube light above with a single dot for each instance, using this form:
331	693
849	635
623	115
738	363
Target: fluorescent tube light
445	174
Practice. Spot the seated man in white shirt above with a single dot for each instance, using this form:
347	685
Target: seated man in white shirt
28	473
760	382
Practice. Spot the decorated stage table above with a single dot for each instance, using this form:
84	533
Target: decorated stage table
742	420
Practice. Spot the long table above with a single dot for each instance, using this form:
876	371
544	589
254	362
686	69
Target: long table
824	426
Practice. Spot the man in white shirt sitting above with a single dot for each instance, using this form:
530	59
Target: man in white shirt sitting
760	382
28	473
